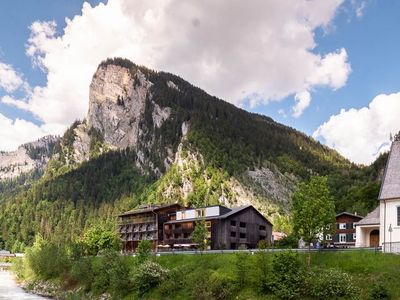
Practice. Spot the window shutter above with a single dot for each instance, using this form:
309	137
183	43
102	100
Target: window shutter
336	238
349	237
337	225
398	215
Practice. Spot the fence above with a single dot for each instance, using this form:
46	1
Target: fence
391	247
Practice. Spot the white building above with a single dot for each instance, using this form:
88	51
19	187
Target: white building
388	211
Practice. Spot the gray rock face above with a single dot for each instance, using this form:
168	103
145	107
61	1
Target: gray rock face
26	158
117	104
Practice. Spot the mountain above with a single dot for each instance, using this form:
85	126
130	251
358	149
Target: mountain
153	137
27	158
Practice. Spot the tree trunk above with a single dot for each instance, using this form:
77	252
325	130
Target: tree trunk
309	255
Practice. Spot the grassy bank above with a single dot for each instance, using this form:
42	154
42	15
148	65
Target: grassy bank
333	275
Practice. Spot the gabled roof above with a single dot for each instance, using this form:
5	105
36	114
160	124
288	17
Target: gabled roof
371	219
150	208
349	214
390	188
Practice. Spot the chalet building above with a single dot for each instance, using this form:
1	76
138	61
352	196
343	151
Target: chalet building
171	226
228	228
145	223
345	232
387	230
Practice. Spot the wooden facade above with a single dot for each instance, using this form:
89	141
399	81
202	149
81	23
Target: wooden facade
240	227
345	232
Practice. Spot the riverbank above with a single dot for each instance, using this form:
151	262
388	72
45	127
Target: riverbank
10	290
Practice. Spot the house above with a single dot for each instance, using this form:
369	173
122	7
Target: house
145	223
171	226
277	236
228	228
387	230
345	232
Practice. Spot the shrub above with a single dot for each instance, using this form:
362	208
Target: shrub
263	275
47	259
379	291
288	275
332	284
143	250
221	286
262	245
241	268
147	276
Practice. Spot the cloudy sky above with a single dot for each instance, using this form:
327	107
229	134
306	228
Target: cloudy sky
329	68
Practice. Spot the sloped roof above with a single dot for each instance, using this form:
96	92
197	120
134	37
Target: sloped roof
391	181
149	208
349	214
371	219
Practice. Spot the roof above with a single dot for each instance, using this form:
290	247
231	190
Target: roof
349	214
150	208
391	181
371	219
232	212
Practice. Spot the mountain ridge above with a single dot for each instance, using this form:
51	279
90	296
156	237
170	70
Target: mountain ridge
153	137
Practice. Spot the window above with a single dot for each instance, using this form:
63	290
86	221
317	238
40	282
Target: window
233	234
243	224
233	245
328	237
262	227
261	237
200	213
398	215
186	235
242	235
183	214
233	223
342	238
354	236
342	225
208	224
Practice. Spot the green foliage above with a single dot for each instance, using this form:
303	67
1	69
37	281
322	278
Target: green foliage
288	242
288	275
332	284
100	238
313	208
143	250
148	275
200	235
379	291
221	286
47	259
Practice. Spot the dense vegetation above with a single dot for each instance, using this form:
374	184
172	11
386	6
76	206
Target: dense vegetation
70	196
264	275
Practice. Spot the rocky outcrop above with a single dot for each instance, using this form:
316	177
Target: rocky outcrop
26	158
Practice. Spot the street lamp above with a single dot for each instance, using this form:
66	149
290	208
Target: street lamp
390	231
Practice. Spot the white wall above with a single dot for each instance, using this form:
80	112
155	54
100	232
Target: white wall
191	213
363	233
391	218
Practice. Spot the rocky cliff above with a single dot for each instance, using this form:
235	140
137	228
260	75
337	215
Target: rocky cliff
27	158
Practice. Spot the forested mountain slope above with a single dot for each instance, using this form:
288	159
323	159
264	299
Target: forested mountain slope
153	137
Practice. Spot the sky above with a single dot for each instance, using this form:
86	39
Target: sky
329	68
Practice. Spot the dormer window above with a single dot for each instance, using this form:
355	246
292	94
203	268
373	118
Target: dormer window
200	213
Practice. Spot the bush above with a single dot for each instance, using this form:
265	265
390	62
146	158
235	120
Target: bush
143	250
47	259
147	276
221	286
290	241
262	245
379	291
332	284
288	275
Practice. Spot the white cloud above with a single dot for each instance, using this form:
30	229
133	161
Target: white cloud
231	49
303	100
10	80
15	133
362	134
359	7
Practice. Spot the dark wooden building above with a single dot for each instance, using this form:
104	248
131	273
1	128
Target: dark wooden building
228	228
145	223
345	232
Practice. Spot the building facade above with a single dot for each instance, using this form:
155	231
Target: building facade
145	223
228	228
345	232
382	226
171	226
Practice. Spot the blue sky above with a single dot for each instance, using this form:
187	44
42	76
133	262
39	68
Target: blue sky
353	112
